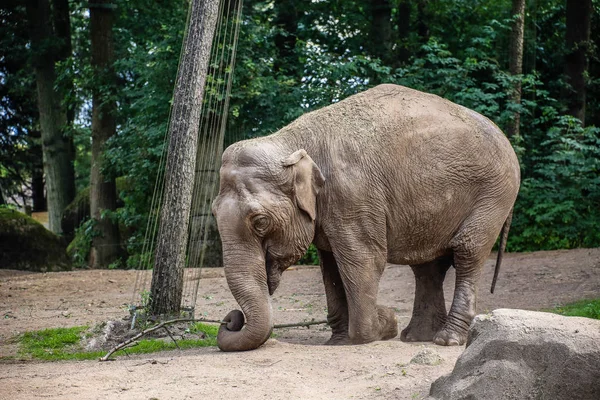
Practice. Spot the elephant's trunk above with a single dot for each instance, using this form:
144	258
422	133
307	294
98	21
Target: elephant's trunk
248	284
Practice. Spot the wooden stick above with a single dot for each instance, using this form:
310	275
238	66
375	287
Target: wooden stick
313	322
133	340
142	333
172	338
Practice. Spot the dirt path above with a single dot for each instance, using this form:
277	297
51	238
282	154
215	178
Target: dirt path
295	365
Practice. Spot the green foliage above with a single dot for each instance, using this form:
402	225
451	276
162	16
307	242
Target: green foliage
20	146
559	203
81	245
311	257
464	60
458	49
584	308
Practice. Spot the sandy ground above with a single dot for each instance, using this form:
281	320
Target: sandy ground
294	366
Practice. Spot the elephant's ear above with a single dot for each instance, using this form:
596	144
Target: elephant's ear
308	180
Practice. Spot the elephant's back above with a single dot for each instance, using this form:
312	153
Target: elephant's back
399	125
394	128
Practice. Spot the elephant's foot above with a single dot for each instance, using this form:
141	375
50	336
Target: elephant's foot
388	323
450	337
339	329
423	328
338	340
385	327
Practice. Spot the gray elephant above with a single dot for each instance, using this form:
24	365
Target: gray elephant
390	175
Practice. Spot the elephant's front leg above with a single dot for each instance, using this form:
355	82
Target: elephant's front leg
337	306
367	321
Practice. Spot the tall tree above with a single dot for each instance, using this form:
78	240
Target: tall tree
403	20
286	20
62	27
579	14
103	191
516	61
422	20
56	146
381	30
38	196
20	145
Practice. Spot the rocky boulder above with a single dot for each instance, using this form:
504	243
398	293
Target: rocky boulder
517	354
26	245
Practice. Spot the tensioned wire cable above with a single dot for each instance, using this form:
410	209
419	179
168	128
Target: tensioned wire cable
208	163
147	254
146	261
185	92
216	145
153	216
219	142
205	138
211	133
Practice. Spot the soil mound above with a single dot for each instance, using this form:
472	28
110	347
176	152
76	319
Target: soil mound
26	245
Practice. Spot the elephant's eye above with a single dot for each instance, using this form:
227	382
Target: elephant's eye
261	224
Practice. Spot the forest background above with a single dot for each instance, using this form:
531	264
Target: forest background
86	90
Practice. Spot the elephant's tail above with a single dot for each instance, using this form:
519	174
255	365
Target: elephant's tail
501	248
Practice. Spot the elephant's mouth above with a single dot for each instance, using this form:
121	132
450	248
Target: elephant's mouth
273	273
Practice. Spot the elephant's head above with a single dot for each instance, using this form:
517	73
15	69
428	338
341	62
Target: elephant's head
265	211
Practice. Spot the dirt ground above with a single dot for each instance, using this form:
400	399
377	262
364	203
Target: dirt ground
295	365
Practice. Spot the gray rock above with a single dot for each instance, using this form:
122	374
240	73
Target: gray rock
427	356
517	354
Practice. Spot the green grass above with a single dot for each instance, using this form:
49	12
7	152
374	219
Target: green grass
583	308
64	344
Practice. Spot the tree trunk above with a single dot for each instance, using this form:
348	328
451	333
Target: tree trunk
403	19
422	21
381	30
38	197
37	186
287	61
516	62
579	13
103	191
57	151
169	262
62	27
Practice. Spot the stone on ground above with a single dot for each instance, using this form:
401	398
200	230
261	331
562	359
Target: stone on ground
427	356
517	354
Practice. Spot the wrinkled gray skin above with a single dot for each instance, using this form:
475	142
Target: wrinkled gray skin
388	175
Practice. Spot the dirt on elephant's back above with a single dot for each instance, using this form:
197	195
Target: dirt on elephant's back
294	365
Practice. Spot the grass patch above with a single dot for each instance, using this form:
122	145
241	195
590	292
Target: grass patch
583	308
54	344
65	343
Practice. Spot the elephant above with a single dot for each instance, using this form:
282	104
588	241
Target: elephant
388	175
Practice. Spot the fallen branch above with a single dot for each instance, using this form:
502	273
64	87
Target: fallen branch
133	339
300	324
163	325
172	338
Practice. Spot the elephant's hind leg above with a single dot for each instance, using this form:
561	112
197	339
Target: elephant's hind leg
429	310
471	249
337	305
